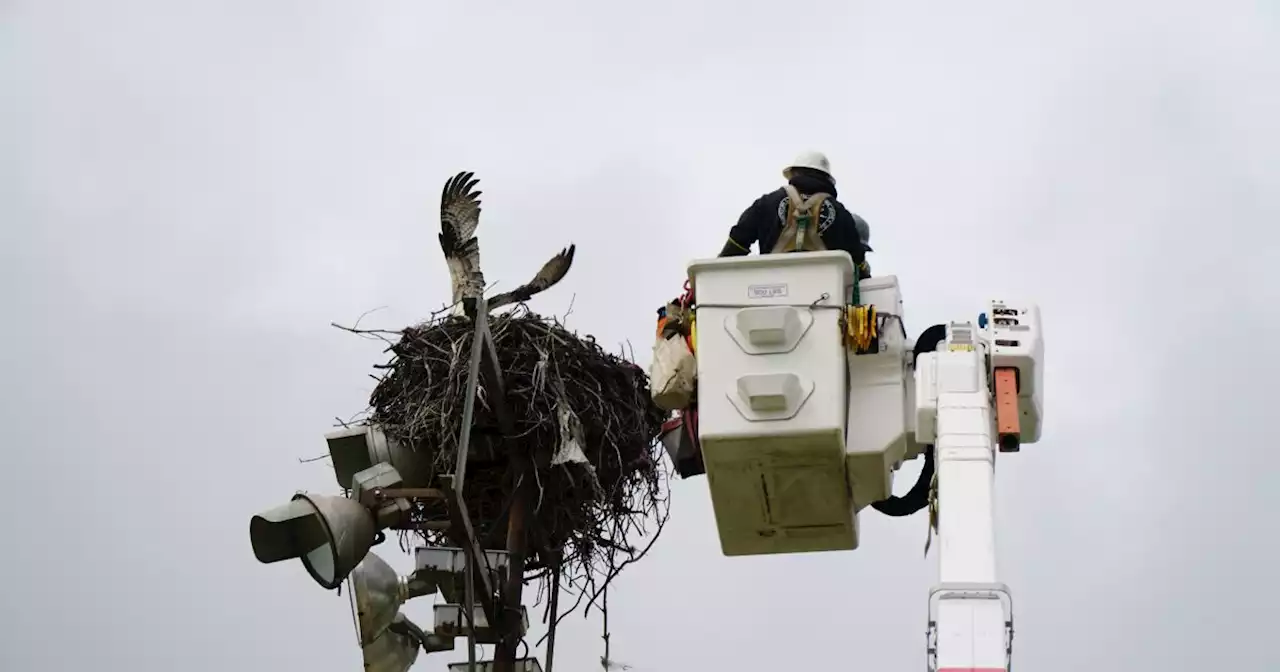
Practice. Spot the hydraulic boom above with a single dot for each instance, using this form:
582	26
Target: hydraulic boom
810	396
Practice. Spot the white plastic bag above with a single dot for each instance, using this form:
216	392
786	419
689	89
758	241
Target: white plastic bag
672	374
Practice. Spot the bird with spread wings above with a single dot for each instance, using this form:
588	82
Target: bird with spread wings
459	218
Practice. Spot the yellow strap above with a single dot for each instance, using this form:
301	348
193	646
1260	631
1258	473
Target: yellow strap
861	328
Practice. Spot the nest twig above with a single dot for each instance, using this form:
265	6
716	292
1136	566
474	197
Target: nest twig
585	416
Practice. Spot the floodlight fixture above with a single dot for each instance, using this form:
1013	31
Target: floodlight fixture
396	649
377	593
390	652
451	621
359	447
331	535
445	567
521	665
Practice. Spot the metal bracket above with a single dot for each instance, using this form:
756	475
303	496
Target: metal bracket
484	353
454	486
968	591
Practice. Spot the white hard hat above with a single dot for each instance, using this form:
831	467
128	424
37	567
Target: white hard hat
815	160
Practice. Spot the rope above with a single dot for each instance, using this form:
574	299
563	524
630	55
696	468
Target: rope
686	299
817	304
687	305
917	497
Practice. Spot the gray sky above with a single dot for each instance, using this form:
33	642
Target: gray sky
191	192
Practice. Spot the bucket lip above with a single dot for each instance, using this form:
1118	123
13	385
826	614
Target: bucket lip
836	257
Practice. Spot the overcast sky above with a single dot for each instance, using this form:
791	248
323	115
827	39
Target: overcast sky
190	193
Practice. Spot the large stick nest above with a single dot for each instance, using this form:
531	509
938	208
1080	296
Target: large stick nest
585	416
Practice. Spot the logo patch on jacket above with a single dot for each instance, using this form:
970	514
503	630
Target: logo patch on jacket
826	215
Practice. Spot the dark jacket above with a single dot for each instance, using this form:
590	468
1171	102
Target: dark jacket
762	222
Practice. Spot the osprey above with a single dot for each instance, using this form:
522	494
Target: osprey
459	217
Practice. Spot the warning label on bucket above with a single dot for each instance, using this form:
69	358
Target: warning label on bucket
766	291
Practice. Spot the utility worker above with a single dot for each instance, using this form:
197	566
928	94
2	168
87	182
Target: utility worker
803	216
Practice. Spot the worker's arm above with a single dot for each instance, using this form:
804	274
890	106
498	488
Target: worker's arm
847	235
745	232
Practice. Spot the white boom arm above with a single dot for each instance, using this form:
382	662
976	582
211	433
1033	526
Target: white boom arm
970	613
800	427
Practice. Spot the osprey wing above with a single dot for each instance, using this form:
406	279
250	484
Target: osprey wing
551	273
459	218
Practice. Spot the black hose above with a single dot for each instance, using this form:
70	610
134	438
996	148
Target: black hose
918	496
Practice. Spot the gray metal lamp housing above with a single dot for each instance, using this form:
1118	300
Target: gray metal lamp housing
359	447
388	640
331	535
376	595
397	648
391	652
